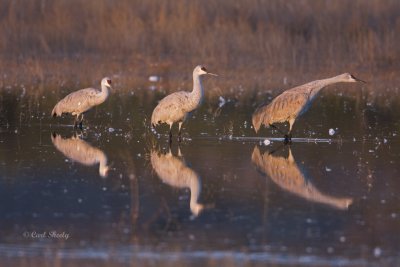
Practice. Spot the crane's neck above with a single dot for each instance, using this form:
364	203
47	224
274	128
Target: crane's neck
103	95
320	84
198	91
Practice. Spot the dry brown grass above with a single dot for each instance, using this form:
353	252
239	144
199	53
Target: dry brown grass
67	40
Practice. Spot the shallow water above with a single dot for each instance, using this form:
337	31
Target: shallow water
114	193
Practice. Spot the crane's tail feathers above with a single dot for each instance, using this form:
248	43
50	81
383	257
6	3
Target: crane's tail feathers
154	123
257	120
56	111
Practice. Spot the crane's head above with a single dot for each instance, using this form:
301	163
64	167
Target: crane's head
106	82
201	70
347	77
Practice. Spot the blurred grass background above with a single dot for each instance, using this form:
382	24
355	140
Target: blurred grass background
250	43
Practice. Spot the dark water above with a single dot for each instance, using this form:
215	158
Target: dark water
114	194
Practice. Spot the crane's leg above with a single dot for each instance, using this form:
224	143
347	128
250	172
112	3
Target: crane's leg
291	122
276	128
288	136
80	122
76	121
170	134
179	132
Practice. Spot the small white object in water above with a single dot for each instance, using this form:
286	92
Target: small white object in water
377	252
267	142
222	101
328	169
331	131
110	130
154	78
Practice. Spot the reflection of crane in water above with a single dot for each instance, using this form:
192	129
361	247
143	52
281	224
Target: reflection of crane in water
294	102
80	151
177	106
77	103
176	173
287	175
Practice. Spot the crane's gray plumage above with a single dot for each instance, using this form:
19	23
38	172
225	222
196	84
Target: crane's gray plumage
176	173
286	174
292	103
177	106
79	102
80	151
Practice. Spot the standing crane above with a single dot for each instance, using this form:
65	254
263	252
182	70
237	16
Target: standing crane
177	106
292	103
79	102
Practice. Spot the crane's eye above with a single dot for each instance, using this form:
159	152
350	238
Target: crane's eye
109	81
203	69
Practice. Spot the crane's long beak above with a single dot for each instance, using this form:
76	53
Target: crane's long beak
359	80
213	74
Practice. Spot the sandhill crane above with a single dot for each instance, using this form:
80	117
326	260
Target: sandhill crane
177	106
287	175
294	102
174	171
80	151
79	102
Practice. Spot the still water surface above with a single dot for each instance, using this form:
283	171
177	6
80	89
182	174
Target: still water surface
115	192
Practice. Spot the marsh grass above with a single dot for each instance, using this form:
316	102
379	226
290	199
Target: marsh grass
251	44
